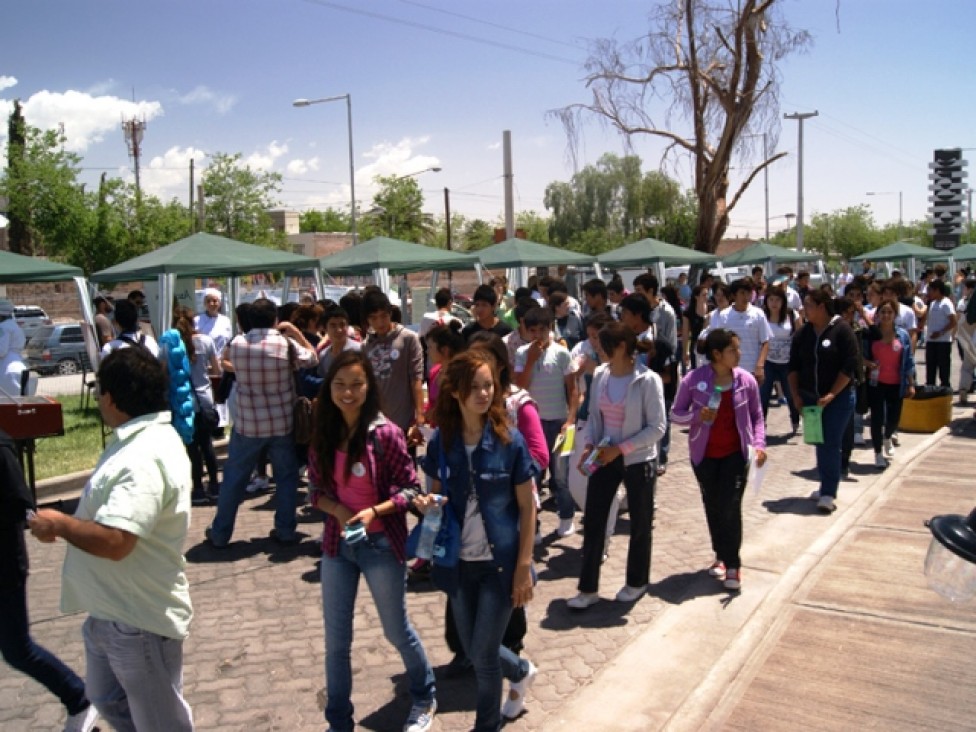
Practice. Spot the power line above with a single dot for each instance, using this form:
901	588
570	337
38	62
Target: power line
444	32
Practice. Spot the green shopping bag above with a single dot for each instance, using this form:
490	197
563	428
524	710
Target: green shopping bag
813	425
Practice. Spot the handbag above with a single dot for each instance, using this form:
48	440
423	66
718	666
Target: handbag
222	392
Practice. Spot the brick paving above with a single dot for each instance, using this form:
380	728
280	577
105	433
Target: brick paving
254	659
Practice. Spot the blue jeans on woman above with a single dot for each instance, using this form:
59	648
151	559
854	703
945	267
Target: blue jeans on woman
777	372
23	654
836	416
386	578
481	611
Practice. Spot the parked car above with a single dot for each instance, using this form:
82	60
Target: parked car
30	318
57	349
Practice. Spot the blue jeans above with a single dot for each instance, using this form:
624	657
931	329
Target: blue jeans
558	476
241	458
23	654
481	609
135	678
777	372
836	416
386	578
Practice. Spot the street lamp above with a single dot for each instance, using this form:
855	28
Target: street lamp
433	169
352	161
891	193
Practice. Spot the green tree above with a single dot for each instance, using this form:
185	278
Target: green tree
478	234
844	232
46	204
328	220
535	226
237	199
613	203
398	210
715	62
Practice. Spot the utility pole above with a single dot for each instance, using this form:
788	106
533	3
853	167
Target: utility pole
509	185
193	222
201	209
799	117
447	230
133	130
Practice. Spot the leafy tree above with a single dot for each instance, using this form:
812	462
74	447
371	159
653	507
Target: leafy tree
46	204
613	203
715	62
478	234
237	199
847	232
535	226
398	209
328	220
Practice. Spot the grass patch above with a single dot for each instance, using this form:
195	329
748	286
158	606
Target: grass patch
79	447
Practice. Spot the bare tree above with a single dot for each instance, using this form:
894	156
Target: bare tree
708	66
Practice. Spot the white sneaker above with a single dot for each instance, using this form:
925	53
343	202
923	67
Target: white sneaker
515	702
421	717
583	600
566	528
879	461
894	439
815	496
826	505
630	594
83	721
889	449
859	440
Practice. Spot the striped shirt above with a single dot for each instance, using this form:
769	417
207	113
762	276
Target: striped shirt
548	383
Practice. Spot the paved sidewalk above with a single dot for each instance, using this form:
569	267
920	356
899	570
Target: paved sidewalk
686	656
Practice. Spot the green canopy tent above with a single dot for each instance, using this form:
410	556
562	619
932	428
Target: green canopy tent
899	251
762	252
652	251
517	254
16	268
965	253
204	255
382	256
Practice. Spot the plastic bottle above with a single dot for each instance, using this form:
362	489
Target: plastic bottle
429	528
714	402
592	462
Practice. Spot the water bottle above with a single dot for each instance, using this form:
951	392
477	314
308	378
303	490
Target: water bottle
714	402
592	462
429	528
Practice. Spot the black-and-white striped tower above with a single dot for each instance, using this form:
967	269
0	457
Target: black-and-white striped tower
947	201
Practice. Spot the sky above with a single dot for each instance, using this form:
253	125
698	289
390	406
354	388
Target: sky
434	83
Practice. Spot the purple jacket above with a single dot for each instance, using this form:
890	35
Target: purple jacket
693	395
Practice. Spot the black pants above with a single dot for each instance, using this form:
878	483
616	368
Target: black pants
938	357
722	482
201	453
23	654
639	481
512	640
885	401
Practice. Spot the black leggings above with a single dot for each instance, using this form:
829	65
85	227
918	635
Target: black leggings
722	482
885	401
201	452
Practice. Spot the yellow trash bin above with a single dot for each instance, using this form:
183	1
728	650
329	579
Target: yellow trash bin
928	414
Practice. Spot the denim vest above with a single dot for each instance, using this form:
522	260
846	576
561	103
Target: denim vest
498	468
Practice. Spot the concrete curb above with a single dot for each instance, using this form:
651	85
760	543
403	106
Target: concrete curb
721	688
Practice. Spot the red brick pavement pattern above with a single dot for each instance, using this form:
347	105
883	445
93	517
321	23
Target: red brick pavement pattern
254	660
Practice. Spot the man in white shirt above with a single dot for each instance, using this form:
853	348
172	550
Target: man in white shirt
939	330
212	322
441	316
749	323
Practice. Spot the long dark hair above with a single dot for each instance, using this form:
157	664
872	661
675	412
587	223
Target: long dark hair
493	344
183	322
330	424
784	312
456	383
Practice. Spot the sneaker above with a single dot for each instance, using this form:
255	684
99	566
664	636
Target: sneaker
583	600
630	594
894	439
889	449
258	484
879	461
421	717
83	721
717	570
859	440
824	505
515	702
733	579
566	528
208	535
815	496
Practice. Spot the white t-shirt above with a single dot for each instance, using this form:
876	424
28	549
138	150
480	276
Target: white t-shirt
438	317
940	313
750	325
779	345
906	318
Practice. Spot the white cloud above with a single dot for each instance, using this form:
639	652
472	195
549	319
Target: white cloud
86	118
221	102
7	81
265	160
300	167
167	176
101	87
494	146
399	158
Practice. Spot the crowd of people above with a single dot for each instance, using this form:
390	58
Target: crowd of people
471	428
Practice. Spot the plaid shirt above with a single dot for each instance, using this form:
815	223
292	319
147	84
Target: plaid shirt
266	382
394	477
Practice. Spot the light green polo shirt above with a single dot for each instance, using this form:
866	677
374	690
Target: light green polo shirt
142	485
